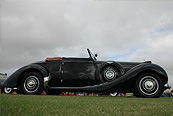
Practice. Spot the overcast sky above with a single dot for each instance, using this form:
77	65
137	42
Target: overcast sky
127	30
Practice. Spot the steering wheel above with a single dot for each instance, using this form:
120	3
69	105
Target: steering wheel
91	55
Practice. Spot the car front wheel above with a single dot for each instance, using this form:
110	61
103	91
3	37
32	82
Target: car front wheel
32	83
148	85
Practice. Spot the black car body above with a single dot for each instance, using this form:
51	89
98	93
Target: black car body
58	74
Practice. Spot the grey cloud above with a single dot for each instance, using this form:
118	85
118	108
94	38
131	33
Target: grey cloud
33	30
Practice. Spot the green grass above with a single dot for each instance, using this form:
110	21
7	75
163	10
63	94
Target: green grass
45	105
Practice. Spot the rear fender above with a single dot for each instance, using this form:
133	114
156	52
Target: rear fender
12	80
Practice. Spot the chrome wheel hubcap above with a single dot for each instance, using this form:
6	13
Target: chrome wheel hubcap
109	73
148	85
31	84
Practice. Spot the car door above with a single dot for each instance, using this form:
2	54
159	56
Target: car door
76	74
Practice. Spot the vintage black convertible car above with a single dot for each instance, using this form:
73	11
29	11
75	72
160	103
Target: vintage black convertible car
60	74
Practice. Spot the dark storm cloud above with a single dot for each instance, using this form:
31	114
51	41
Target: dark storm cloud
32	30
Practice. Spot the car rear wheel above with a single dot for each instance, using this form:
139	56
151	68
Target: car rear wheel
32	83
149	85
109	73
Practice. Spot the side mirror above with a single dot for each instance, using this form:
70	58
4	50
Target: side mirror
96	55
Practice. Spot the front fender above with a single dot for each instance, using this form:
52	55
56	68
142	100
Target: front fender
138	69
12	80
144	67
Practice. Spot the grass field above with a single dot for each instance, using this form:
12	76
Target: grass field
45	105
